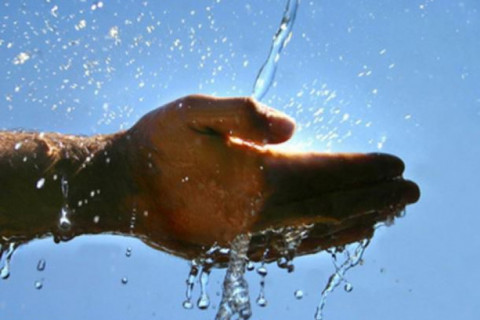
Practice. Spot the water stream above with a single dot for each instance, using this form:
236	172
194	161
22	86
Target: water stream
265	76
352	259
235	297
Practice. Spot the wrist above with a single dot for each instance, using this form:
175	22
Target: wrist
100	186
44	174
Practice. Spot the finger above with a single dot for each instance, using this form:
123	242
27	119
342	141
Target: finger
242	118
294	177
337	206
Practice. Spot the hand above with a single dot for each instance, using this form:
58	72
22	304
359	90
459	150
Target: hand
205	174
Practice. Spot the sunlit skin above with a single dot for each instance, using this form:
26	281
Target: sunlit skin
197	172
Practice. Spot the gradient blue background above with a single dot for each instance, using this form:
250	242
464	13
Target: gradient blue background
393	76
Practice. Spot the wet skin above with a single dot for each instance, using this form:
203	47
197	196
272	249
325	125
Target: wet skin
198	171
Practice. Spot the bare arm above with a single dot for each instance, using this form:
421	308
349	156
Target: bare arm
33	167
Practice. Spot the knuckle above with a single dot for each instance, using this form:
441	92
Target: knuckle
251	104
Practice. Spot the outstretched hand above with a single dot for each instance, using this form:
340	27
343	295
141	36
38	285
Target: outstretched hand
205	174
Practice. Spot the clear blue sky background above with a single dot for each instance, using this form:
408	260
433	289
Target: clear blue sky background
393	76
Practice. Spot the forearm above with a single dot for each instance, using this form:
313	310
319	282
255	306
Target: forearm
33	167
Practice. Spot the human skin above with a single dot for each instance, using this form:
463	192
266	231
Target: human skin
194	173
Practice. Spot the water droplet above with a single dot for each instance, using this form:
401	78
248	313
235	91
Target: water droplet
128	252
281	262
38	284
262	271
40	183
348	287
64	222
250	266
203	303
224	250
54	11
64	186
21	58
5	271
114	34
261	301
187	304
17	146
41	264
124	280
285	263
81	25
298	294
133	219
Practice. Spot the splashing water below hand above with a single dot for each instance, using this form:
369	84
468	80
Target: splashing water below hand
352	259
236	298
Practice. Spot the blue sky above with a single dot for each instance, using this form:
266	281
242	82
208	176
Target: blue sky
391	76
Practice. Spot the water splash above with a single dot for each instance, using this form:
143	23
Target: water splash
280	40
5	258
292	238
352	259
236	298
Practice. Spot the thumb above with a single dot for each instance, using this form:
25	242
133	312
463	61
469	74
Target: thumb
243	118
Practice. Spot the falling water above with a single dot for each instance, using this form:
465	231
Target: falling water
38	284
352	259
262	271
41	264
235	298
192	275
280	40
5	258
40	267
64	222
204	300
